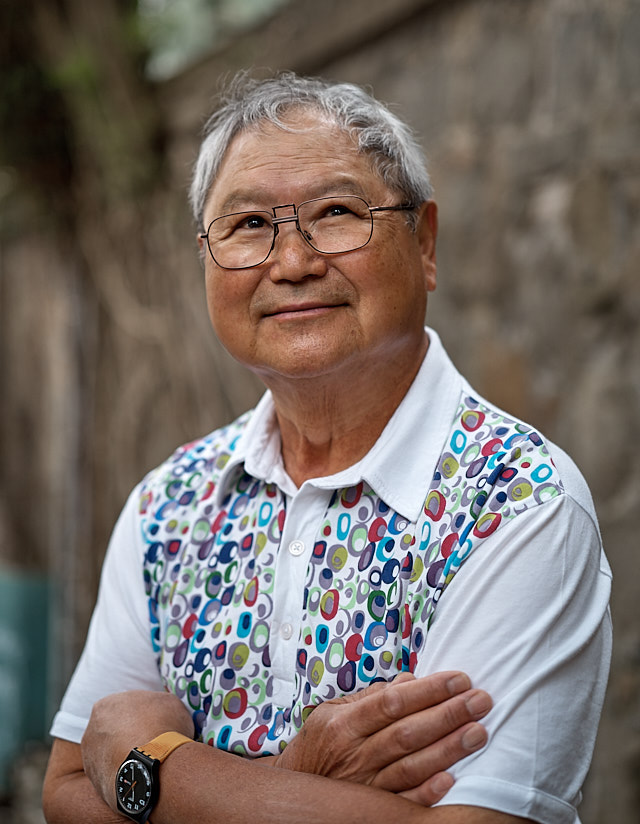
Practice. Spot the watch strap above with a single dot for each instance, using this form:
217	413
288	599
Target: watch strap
163	745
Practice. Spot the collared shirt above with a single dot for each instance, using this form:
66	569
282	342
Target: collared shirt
462	540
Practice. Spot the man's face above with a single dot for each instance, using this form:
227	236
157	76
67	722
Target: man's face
301	313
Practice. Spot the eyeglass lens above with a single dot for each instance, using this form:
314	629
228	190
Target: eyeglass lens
328	224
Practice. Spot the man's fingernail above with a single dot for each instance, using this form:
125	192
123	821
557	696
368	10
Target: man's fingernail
474	738
441	784
478	704
458	683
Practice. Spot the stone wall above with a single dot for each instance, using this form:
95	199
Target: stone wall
529	112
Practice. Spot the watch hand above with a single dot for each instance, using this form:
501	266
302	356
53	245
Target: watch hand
130	788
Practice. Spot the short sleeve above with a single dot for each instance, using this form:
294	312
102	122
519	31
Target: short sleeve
118	654
527	618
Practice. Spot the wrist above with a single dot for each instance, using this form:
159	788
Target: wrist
137	782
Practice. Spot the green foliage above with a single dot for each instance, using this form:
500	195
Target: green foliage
180	31
78	72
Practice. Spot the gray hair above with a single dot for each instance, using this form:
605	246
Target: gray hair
378	133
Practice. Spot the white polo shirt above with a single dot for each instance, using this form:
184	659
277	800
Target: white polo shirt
462	540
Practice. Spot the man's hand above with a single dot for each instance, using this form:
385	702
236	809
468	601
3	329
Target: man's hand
122	721
398	736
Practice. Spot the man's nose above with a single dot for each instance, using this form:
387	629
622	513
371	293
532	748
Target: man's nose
292	257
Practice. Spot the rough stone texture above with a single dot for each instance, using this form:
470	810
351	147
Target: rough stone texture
529	113
530	116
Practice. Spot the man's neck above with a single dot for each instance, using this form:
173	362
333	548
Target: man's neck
327	425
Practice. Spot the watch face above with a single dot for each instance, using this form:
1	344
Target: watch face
134	787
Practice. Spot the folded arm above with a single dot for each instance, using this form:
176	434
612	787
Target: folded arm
355	759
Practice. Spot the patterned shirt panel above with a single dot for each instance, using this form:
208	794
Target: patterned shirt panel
373	579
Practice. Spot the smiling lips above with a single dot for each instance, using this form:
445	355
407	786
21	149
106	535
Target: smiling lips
297	310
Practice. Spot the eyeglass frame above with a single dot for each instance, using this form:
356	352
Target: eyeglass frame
276	221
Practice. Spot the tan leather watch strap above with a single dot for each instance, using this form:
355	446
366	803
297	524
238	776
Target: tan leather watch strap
163	745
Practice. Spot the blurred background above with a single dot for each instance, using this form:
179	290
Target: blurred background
529	112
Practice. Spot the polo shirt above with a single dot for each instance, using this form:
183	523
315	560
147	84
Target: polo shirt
462	540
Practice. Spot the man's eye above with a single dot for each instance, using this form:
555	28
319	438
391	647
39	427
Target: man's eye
252	222
338	209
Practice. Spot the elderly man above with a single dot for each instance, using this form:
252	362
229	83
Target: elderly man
369	541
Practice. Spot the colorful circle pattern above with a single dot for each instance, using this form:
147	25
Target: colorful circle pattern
373	581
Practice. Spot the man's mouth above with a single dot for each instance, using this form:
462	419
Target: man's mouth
302	310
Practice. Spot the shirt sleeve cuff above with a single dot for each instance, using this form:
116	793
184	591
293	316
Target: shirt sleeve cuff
69	727
515	799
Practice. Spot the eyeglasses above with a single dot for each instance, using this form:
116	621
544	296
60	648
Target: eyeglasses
330	225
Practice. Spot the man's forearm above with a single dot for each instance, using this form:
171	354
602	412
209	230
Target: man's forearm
225	787
77	800
199	783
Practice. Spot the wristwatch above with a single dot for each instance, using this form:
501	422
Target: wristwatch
137	781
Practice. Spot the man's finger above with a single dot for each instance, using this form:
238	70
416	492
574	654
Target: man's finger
431	790
402	698
427	732
407	775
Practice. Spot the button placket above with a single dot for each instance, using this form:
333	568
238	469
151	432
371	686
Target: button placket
304	514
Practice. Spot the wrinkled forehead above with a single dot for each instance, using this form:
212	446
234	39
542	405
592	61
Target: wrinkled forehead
303	122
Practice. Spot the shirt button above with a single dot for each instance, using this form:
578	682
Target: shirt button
286	630
296	547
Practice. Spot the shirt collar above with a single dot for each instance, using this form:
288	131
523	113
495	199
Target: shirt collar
257	450
400	465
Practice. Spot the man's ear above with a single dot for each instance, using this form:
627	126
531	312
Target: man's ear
427	233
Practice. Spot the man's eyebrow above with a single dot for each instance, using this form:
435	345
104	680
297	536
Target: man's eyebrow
242	199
